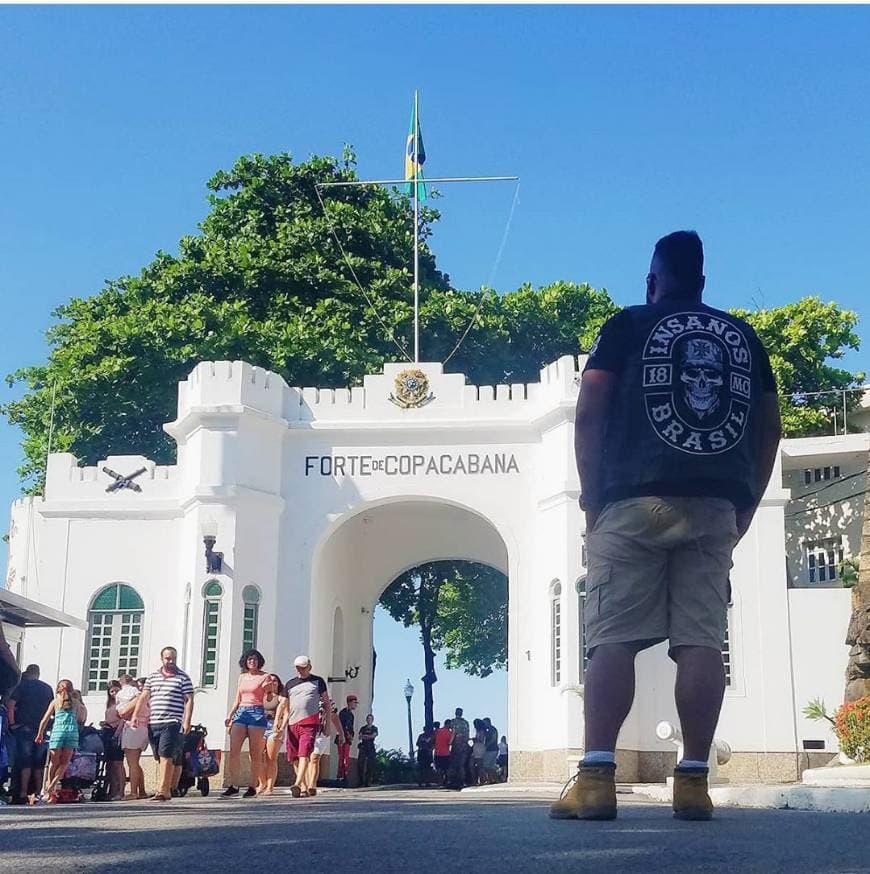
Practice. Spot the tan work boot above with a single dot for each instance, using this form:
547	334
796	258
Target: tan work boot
590	794
691	798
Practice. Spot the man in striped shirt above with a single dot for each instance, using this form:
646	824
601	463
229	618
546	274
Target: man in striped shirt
169	696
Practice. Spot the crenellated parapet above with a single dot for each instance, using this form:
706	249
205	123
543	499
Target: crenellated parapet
234	387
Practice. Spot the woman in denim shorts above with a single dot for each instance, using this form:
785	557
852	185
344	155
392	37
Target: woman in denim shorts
274	737
247	719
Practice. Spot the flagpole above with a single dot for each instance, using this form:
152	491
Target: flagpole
416	233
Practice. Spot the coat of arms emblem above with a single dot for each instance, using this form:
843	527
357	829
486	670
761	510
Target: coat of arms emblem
411	389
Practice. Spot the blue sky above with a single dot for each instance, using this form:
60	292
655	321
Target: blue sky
749	124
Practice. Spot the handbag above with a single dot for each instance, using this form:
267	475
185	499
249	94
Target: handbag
205	762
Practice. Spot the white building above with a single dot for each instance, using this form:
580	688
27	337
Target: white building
318	499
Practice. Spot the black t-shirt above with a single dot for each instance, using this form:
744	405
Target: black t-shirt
31	698
491	739
623	337
610	351
345	717
367	735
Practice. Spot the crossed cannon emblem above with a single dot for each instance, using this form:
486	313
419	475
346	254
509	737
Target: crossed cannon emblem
123	482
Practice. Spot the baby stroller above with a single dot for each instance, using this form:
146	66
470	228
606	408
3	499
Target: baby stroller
199	762
87	770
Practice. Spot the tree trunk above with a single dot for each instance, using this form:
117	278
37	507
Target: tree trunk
858	635
430	677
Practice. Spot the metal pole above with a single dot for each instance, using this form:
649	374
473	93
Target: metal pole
416	262
845	419
358	182
410	734
50	425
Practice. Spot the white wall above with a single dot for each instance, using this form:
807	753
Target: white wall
818	622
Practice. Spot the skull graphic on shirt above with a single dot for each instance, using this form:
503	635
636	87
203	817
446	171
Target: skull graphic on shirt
701	372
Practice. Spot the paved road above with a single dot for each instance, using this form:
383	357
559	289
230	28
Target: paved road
424	832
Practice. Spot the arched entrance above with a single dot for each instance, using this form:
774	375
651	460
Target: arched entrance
362	553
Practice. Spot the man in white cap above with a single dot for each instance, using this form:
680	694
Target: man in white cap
299	707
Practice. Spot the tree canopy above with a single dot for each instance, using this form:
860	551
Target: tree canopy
265	281
803	338
460	608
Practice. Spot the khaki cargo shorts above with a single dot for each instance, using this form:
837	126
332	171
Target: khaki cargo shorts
658	570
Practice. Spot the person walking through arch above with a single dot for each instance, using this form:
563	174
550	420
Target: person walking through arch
676	434
168	693
273	737
247	719
299	711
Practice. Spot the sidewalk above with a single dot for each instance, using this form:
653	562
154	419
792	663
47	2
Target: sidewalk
779	796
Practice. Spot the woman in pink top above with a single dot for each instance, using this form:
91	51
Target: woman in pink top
247	719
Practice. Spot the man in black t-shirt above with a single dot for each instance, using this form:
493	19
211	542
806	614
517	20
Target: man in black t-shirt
27	705
345	737
676	433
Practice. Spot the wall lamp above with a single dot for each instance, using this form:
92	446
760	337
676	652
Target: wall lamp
214	561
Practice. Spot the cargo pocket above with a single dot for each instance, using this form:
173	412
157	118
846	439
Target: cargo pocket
597	581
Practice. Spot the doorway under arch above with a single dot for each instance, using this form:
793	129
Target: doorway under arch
363	552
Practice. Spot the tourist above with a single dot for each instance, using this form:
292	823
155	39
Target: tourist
502	760
490	752
441	748
113	726
169	694
345	736
321	750
27	703
247	719
478	745
425	743
367	752
459	751
64	735
299	709
676	433
273	738
134	740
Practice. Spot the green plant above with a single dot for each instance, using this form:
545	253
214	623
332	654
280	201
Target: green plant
852	724
848	571
816	710
392	767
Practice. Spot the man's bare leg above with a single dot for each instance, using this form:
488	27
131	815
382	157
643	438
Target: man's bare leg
166	774
699	690
608	693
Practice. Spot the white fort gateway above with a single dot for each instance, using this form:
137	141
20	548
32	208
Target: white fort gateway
310	503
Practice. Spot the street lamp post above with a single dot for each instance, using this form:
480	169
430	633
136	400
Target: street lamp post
409	691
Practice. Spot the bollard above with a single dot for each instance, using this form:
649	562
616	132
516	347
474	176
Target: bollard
720	750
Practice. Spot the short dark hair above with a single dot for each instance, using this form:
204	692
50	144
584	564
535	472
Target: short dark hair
243	661
682	253
436	725
459	711
166	648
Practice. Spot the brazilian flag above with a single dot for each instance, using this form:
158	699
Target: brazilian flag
414	149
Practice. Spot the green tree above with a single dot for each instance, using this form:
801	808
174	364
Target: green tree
804	339
460	608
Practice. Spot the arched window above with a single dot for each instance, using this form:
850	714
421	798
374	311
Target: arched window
581	618
250	617
211	623
114	635
556	632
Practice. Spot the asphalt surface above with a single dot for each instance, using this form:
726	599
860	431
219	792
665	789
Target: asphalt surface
423	832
